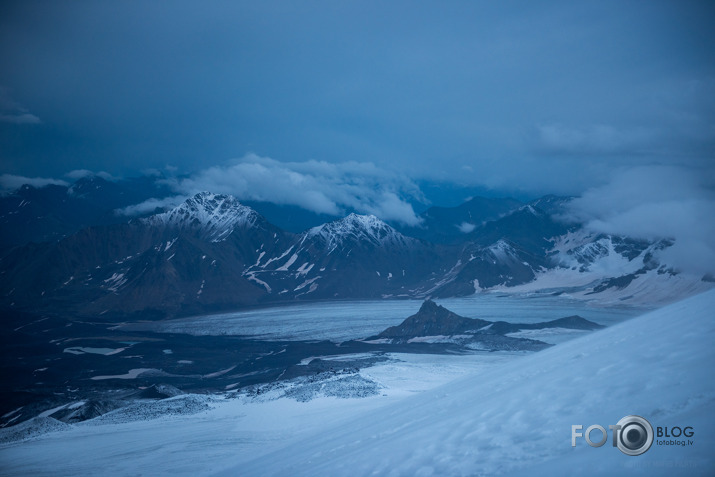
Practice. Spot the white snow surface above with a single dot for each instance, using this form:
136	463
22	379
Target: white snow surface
345	320
216	433
575	279
88	350
649	289
216	215
363	228
131	374
442	415
517	418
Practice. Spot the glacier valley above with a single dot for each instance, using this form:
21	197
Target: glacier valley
482	413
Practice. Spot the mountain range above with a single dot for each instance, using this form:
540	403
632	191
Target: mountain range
213	253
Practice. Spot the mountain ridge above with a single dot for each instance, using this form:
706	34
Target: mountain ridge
213	253
435	320
215	215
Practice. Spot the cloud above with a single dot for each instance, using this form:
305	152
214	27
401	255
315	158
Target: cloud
13	112
19	118
82	173
466	227
318	186
594	139
653	203
150	205
10	183
152	172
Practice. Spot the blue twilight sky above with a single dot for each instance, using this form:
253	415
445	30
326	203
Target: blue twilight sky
329	104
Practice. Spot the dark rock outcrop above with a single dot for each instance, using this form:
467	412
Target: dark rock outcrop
433	319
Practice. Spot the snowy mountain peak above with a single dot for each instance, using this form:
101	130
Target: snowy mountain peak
531	210
501	246
364	222
502	252
360	228
87	185
216	215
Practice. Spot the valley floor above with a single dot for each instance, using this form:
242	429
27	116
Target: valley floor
482	414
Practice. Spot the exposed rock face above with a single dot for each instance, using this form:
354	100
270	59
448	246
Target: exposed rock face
431	320
574	322
213	216
212	253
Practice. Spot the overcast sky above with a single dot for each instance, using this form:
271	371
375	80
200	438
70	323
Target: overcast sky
337	105
534	96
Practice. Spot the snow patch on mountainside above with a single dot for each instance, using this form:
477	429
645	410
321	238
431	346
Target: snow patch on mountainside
502	252
611	270
649	289
588	252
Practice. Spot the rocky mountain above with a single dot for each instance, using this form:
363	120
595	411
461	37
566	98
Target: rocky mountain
431	320
213	217
190	259
213	253
504	252
358	256
50	213
449	225
612	269
527	228
435	324
573	322
551	204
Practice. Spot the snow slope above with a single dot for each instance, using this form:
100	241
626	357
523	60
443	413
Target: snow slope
213	433
517	418
588	262
434	415
648	289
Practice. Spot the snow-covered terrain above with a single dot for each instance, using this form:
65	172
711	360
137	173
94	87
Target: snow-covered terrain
366	228
650	288
215	215
346	320
199	435
517	418
432	415
612	270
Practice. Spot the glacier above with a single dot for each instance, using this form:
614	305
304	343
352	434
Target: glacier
516	418
354	319
486	414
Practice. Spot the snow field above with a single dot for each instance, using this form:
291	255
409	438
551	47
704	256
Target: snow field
485	414
517	418
216	432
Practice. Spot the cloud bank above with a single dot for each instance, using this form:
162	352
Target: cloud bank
13	112
653	203
599	139
318	186
10	183
83	173
150	205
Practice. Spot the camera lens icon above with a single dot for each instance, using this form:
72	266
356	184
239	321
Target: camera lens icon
635	435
